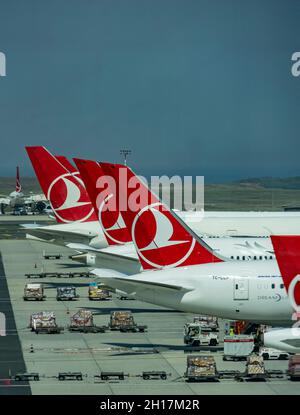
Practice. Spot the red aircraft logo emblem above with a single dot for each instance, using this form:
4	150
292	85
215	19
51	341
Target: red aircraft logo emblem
69	199
112	223
156	240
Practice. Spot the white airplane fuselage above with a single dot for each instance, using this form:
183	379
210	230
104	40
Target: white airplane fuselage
248	224
96	252
287	339
212	224
251	291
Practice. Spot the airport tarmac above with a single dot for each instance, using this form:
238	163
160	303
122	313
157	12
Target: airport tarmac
160	348
9	219
10	225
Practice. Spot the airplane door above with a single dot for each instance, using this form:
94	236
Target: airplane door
231	232
241	289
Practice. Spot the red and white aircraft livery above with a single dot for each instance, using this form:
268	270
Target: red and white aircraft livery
110	219
18	182
65	191
119	238
180	271
287	250
17	197
63	187
78	226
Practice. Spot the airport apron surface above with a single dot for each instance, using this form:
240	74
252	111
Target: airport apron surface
11	356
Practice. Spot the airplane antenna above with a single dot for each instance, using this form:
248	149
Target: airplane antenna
125	153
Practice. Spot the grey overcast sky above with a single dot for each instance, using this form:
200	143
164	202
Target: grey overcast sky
191	86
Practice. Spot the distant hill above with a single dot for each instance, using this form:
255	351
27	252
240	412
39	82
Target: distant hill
273	182
7	184
265	193
29	184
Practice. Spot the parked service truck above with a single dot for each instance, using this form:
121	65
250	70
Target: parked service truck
34	292
196	334
270	353
207	321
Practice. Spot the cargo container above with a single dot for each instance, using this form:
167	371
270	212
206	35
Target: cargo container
238	347
294	367
34	292
201	368
124	321
83	322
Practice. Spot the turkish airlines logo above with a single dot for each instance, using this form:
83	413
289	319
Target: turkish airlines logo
18	183
69	199
156	240
292	293
18	186
112	222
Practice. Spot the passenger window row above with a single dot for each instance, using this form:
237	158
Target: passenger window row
273	286
249	257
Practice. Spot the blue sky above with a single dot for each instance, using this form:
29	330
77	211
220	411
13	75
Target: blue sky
201	87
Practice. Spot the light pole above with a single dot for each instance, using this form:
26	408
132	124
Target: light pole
125	153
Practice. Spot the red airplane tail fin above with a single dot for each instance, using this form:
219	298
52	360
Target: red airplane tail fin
67	165
18	182
102	194
65	191
287	251
161	239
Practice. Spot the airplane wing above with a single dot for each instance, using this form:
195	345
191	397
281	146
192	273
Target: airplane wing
132	285
82	248
118	257
119	262
112	252
115	257
107	273
5	201
51	235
